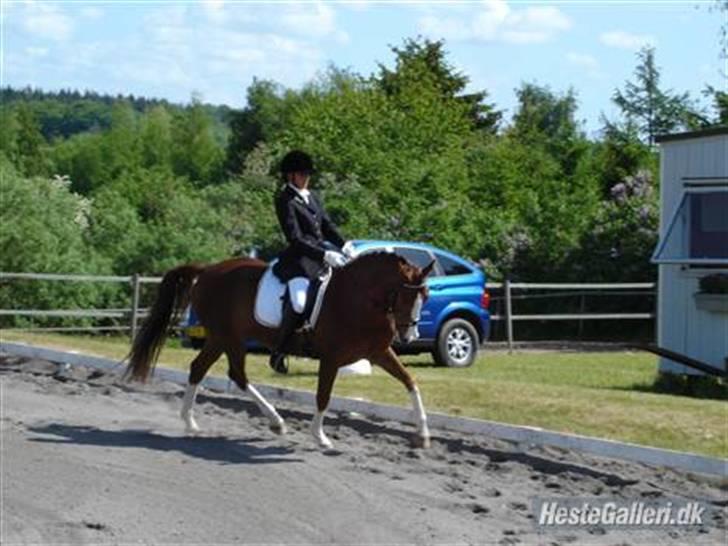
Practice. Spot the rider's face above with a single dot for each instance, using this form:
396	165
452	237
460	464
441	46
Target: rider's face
300	180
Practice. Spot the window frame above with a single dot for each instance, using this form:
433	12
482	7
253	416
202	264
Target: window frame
689	189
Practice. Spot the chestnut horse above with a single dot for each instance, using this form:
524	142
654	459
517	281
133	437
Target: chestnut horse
370	301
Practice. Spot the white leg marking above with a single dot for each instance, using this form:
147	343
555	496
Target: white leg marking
276	421
317	429
420	416
187	415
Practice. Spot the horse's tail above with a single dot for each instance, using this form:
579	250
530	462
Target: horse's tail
172	297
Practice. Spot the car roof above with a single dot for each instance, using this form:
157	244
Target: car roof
409	244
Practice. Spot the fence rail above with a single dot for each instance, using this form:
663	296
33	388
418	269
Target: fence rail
135	312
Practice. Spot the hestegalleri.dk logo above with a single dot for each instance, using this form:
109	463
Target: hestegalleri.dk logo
617	513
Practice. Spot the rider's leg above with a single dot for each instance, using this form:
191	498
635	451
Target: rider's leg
292	309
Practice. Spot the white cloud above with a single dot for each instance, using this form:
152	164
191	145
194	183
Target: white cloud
626	40
313	19
214	9
47	21
92	13
36	52
215	48
582	60
587	63
495	20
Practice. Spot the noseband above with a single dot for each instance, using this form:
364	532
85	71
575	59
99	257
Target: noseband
393	301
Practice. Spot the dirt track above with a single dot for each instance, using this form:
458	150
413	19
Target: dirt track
89	459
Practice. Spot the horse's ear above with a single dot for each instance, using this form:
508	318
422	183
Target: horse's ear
427	270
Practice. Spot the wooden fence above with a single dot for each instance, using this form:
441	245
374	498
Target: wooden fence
511	291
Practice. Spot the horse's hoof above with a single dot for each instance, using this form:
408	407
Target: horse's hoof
324	443
421	442
191	426
279	428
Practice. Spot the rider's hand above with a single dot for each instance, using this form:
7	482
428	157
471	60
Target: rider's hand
348	249
334	259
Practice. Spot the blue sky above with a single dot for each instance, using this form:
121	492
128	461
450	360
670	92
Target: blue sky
170	49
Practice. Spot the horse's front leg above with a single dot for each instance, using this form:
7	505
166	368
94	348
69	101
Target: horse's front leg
236	372
389	361
326	376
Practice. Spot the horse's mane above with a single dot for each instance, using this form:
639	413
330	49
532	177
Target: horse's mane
375	265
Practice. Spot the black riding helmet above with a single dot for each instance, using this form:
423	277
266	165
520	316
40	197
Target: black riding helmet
297	161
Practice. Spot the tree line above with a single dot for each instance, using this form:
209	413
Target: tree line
118	185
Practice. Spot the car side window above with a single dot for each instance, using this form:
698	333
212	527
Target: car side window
417	257
452	267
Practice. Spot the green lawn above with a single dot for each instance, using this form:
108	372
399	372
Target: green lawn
607	394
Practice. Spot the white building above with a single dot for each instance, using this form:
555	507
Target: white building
693	244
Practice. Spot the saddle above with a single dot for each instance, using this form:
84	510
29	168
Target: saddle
268	310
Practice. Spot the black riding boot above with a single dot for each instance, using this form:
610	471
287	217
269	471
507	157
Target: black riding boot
289	323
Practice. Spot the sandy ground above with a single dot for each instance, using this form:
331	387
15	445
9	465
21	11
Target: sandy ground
88	459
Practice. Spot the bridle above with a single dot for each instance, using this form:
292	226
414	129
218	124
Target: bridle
392	302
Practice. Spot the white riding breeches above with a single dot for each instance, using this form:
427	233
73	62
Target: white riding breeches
298	288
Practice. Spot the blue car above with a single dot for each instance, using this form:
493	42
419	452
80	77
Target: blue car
454	321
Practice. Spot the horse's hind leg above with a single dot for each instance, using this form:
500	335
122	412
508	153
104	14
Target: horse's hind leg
389	361
236	372
326	377
198	369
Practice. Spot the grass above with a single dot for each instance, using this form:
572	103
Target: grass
616	395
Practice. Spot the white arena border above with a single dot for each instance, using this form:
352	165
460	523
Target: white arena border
515	433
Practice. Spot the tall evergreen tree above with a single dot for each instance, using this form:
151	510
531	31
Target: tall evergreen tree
428	59
29	144
653	110
196	153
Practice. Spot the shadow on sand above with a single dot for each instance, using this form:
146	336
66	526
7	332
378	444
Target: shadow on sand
222	449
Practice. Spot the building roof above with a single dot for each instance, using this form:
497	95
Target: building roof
712	131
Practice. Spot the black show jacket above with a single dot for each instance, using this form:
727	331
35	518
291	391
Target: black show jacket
308	229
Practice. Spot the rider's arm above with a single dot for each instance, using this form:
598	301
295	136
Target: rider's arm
328	228
292	231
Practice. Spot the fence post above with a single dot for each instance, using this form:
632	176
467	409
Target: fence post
509	312
134	304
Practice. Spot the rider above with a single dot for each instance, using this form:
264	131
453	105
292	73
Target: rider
313	242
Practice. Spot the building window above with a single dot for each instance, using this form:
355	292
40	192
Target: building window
697	231
709	225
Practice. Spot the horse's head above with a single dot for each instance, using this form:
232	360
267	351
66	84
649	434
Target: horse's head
407	298
391	285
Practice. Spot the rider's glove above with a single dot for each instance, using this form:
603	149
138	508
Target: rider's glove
348	249
334	259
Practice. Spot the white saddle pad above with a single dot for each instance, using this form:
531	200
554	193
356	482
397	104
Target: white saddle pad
268	310
269	300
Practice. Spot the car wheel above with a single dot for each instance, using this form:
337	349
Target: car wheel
457	344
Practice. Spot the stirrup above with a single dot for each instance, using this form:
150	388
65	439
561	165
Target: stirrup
277	362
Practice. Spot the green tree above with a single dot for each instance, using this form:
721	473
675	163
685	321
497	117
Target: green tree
8	133
652	110
196	153
399	157
121	142
268	110
164	219
545	119
156	138
82	158
619	154
623	234
44	230
425	60
30	145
